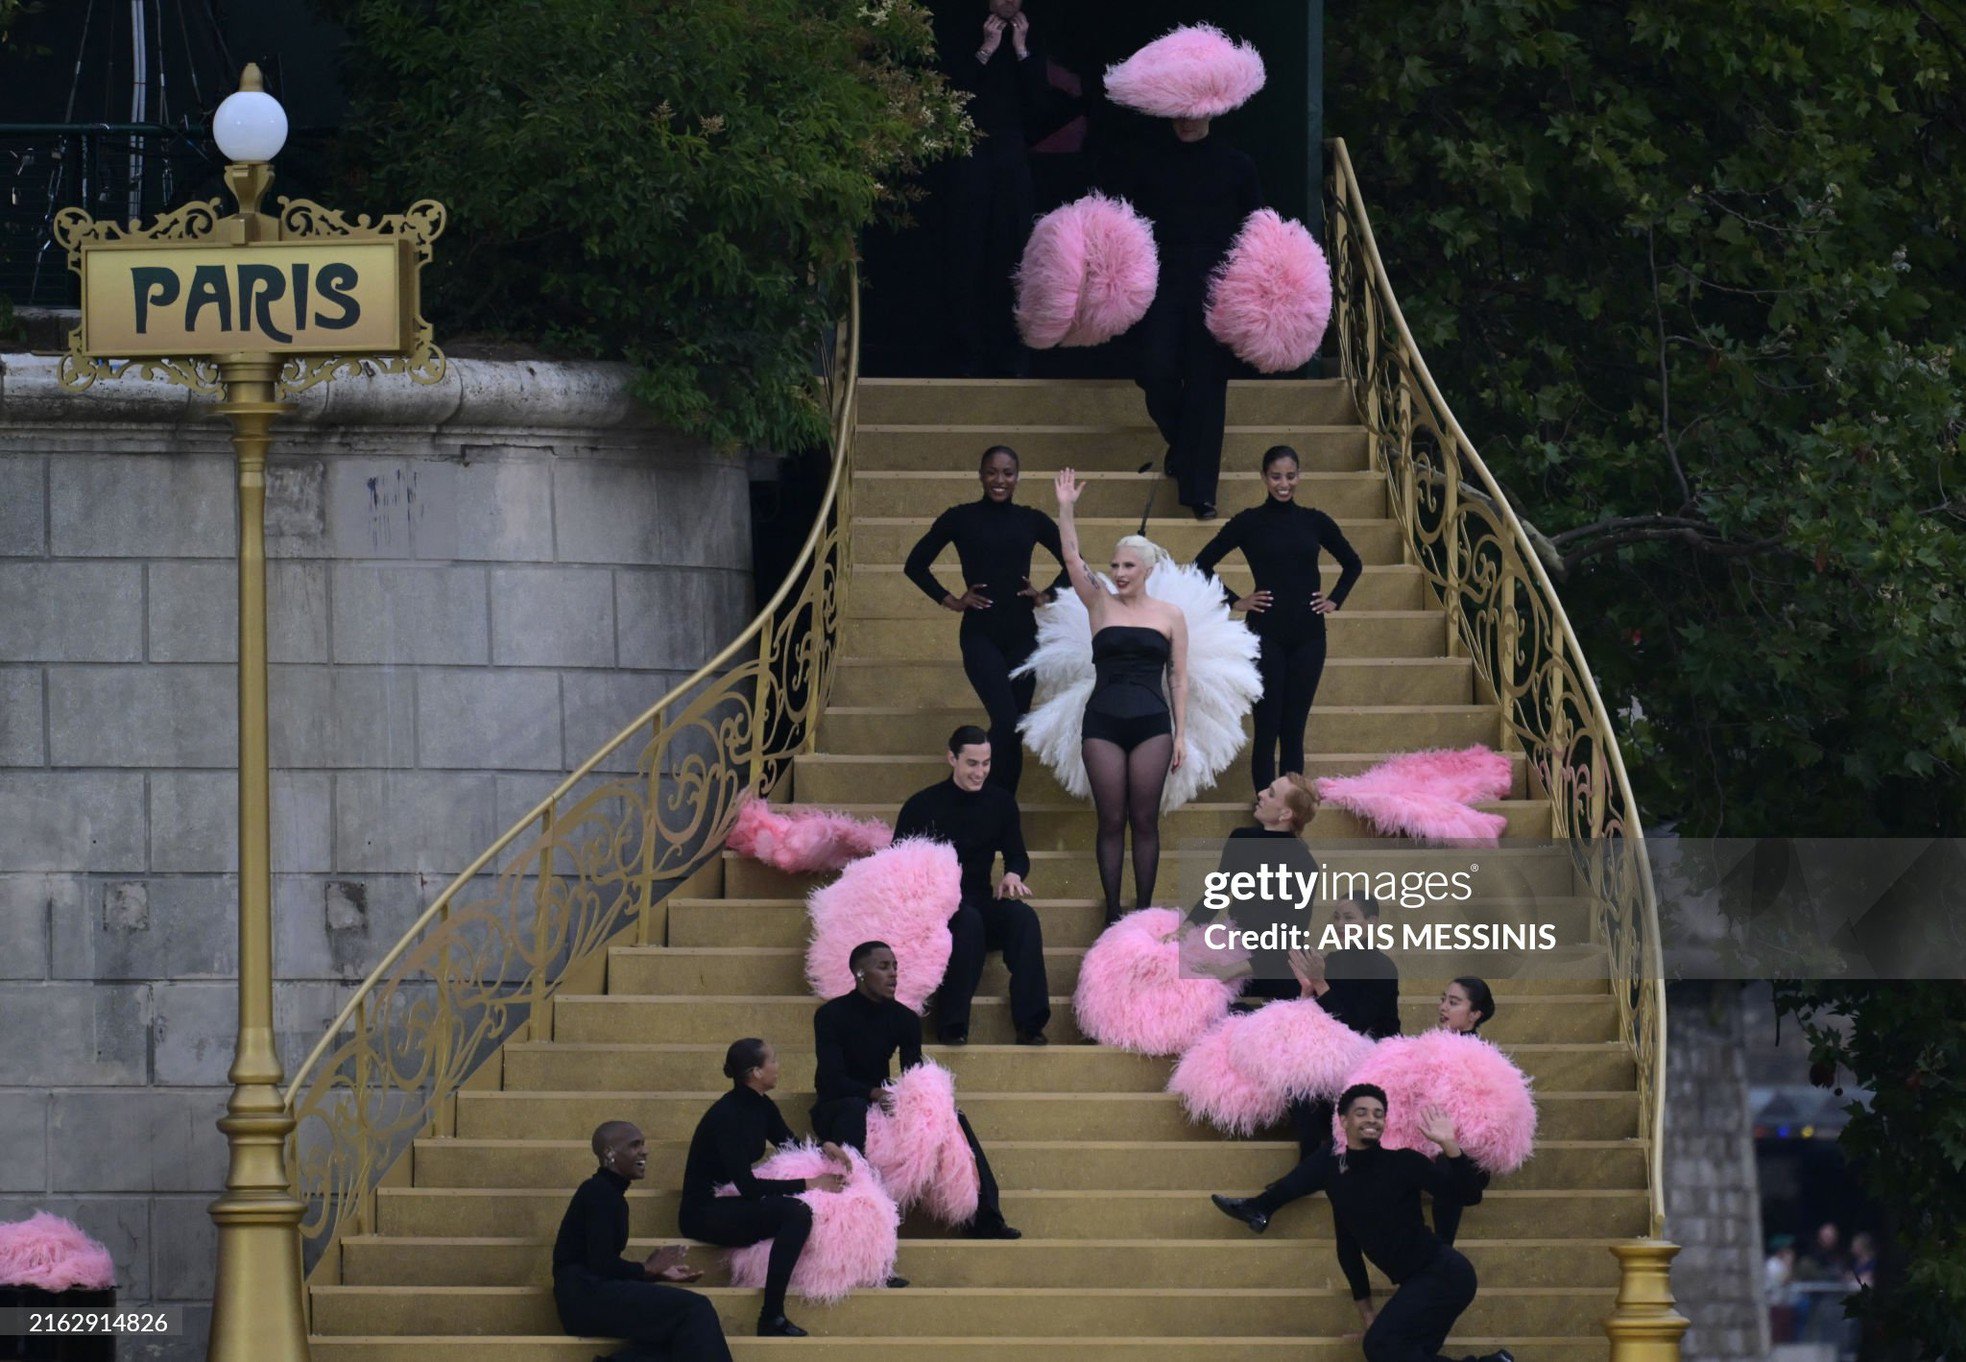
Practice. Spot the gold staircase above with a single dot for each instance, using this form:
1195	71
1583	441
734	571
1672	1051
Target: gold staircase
444	1121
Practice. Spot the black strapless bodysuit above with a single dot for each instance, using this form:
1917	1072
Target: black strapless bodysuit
1127	705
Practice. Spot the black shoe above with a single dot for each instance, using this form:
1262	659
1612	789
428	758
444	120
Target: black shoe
1205	511
778	1327
1239	1208
951	1036
1032	1038
996	1229
895	1283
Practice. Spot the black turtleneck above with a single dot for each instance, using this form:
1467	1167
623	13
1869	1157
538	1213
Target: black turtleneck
978	824
730	1138
1007	92
855	1037
595	1230
1375	1209
1281	540
1363	992
1195	193
994	540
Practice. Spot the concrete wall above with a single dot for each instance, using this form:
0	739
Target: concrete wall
474	586
1713	1206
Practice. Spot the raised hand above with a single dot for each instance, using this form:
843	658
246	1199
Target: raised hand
992	36
1020	34
1308	966
1438	1126
1068	488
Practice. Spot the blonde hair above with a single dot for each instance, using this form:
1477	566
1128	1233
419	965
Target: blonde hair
1152	555
1300	800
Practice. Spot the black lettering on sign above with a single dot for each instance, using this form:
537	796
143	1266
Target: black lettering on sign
261	286
334	281
300	296
152	284
209	287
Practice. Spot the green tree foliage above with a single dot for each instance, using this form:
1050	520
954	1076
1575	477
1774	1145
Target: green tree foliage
1906	1043
1690	273
678	185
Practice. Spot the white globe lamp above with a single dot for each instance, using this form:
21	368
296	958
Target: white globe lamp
250	125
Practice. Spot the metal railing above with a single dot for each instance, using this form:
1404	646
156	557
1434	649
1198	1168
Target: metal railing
541	902
115	171
1501	608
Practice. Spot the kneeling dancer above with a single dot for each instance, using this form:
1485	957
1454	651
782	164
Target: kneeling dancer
855	1035
1375	1211
602	1294
734	1134
980	820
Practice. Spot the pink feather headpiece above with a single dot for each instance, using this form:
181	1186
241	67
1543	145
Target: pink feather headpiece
1194	72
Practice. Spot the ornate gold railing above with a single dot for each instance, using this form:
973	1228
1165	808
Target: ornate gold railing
485	959
1504	612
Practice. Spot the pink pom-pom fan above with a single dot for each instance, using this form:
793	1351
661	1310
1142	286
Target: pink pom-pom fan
854	1230
1132	993
52	1254
1089	273
903	895
919	1148
1196	71
1213	1088
1269	300
1488	1098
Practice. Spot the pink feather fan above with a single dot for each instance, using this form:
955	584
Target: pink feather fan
1427	794
801	840
1089	273
854	1230
1213	1089
1132	993
53	1254
1196	71
919	1149
1270	299
903	895
1479	1087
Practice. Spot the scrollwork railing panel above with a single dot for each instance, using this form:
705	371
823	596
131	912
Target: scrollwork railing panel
1503	611
505	935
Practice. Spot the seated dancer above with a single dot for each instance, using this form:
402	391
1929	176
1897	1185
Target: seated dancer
980	821
1132	735
994	539
734	1134
1283	809
601	1294
855	1035
1375	1213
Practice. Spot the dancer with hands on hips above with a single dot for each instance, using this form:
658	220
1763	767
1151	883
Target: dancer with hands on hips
1135	719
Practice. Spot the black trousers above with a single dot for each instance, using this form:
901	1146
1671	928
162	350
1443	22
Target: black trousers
661	1323
990	203
733	1222
1413	1324
1184	373
843	1120
1291	668
979	927
989	657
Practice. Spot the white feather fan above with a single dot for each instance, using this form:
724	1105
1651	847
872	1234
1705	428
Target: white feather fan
1222	683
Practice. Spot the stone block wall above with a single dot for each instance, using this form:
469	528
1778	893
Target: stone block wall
1713	1207
473	586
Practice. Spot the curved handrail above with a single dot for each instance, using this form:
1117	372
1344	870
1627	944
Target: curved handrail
1389	379
755	711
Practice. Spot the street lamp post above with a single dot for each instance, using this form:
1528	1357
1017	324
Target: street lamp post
252	307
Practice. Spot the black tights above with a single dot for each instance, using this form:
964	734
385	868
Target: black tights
1290	672
987	662
1126	788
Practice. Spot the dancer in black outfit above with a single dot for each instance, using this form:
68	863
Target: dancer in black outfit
980	820
1281	541
992	198
856	1034
1196	190
994	538
1132	736
599	1293
1375	1212
1283	808
733	1135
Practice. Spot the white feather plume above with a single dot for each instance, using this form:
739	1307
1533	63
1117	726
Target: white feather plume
1223	683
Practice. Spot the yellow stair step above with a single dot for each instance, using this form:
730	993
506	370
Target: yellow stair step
888	539
978	401
938	447
1344	496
